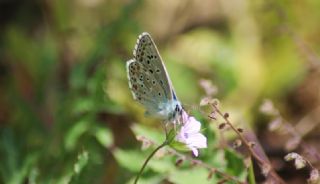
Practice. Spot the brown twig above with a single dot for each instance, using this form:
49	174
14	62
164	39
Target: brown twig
261	162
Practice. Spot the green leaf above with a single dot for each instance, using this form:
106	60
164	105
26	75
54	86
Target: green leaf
74	133
148	180
78	167
235	163
191	176
217	159
162	165
171	136
20	175
129	159
104	136
179	146
155	135
82	105
81	162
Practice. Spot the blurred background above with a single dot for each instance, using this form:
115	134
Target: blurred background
67	115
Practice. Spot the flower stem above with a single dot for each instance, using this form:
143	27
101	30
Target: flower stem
251	173
148	159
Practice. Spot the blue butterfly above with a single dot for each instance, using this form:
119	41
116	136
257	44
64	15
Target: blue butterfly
150	83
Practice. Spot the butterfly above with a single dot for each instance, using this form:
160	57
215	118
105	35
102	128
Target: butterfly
150	83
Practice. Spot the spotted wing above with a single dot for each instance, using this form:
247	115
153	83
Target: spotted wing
144	87
147	54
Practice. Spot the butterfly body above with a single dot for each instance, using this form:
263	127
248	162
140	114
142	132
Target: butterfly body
149	81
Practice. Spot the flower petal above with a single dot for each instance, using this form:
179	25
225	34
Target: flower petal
185	117
189	134
197	140
195	152
192	126
181	136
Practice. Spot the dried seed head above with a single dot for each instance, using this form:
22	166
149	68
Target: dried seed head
215	102
268	108
314	177
266	168
252	144
213	115
211	172
275	124
205	101
293	143
145	145
226	115
140	138
195	162
145	142
179	161
208	87
240	130
237	143
222	126
299	161
291	156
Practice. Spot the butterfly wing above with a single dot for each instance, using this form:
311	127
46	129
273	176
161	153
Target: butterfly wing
147	54
149	80
144	87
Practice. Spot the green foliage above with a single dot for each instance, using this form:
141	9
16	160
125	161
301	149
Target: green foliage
132	159
55	133
189	176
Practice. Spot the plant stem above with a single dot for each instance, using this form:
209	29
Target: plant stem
251	174
148	159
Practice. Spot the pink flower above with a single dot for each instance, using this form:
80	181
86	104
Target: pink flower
190	135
